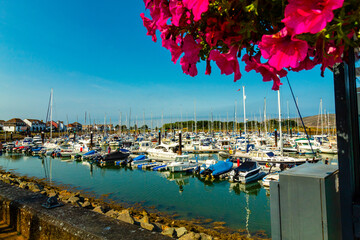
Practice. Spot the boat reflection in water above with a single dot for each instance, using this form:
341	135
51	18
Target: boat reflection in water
248	189
180	178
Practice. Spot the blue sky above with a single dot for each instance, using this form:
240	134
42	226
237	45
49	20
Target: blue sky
97	58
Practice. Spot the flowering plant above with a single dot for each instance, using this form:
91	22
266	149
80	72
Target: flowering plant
274	36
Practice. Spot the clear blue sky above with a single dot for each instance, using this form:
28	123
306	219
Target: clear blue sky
97	58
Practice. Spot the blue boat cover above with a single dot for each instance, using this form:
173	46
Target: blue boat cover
138	158
90	152
270	154
221	167
124	150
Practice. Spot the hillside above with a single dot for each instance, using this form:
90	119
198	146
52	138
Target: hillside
314	121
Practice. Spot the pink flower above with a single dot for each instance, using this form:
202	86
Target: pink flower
283	50
327	54
159	11
150	26
269	73
191	55
311	16
176	9
208	67
306	64
197	7
174	49
227	62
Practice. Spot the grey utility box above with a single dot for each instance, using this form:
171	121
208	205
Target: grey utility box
305	203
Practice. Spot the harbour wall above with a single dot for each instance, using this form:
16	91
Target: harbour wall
22	210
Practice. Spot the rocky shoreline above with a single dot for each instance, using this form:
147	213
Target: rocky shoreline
181	229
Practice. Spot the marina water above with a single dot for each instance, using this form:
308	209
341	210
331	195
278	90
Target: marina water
186	196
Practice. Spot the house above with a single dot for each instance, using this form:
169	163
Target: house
53	124
35	125
74	126
77	126
61	125
15	125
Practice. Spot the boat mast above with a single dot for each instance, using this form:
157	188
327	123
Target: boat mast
144	120
227	121
195	116
280	131
298	118
151	121
244	98
51	103
235	120
120	123
321	117
265	123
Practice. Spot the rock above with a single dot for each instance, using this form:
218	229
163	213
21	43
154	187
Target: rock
43	192
205	236
86	204
145	213
169	232
34	187
126	217
64	195
73	199
147	226
145	219
181	231
23	185
191	236
99	209
52	193
112	213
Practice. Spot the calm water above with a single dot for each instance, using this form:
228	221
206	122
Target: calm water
187	195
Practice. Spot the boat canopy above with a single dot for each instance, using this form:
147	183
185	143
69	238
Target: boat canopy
141	157
270	154
247	166
90	153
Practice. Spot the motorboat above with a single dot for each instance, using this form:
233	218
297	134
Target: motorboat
182	164
247	172
217	169
163	152
303	146
139	160
270	158
117	155
270	177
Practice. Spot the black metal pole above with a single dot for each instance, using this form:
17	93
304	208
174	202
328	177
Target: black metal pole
290	132
42	137
347	125
180	143
159	137
275	132
91	140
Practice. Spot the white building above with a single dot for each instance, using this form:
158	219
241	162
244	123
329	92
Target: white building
15	125
35	125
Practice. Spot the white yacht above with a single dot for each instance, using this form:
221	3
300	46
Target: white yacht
248	171
303	146
181	164
163	152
